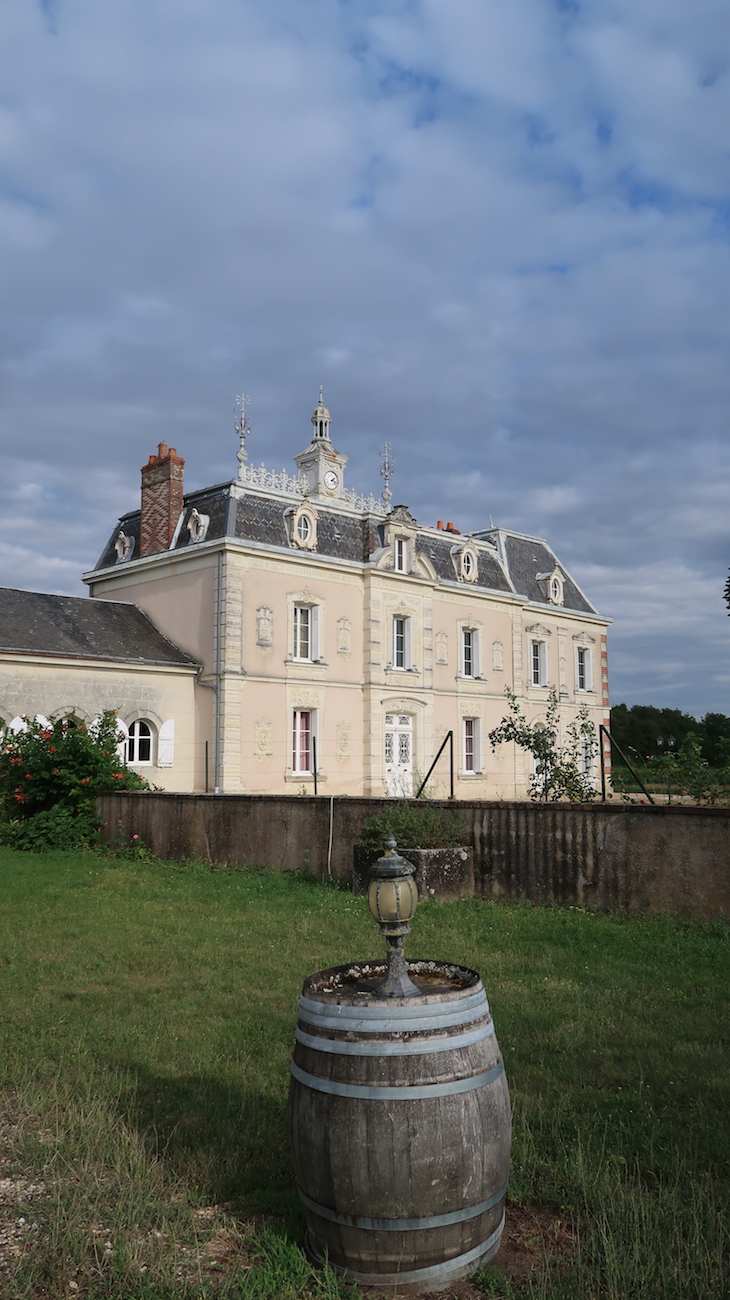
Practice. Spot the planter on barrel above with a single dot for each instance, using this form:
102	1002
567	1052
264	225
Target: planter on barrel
399	1111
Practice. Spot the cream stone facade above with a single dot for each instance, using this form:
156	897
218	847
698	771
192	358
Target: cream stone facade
339	633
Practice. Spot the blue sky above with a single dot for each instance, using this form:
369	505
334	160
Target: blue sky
497	232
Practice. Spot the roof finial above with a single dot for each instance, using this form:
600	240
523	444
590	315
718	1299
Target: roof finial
321	399
387	469
243	429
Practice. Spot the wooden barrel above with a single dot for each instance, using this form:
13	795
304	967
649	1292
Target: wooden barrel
399	1119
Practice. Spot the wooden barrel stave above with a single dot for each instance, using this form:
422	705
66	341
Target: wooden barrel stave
364	1162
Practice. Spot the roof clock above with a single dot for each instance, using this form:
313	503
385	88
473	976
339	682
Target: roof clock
321	467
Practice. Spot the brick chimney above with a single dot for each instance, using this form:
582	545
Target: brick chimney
162	499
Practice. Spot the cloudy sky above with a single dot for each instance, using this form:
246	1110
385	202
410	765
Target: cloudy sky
497	231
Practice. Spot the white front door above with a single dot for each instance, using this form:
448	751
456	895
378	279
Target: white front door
399	755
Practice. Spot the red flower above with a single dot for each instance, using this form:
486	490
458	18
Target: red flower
85	780
20	797
46	735
29	776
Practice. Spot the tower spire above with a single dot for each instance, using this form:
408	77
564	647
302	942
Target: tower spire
321	419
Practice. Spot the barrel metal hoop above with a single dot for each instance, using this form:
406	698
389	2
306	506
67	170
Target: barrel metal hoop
413	1011
419	1047
450	1269
405	1225
385	1092
355	1024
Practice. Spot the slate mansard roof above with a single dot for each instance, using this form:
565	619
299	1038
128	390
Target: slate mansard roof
34	622
508	562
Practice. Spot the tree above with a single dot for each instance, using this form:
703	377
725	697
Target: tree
560	771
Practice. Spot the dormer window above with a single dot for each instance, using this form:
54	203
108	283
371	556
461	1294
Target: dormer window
466	562
400	555
302	523
198	526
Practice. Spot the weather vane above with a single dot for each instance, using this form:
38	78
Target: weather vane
243	429
387	469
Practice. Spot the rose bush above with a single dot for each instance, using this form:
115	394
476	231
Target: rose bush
50	774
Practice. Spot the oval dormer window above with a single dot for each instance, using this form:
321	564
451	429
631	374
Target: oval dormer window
555	589
304	528
467	564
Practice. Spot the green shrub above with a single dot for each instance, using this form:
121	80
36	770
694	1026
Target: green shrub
50	775
56	828
415	826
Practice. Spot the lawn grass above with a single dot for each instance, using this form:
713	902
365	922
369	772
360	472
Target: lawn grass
148	1012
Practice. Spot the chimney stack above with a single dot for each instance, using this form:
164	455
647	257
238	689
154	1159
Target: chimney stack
162	499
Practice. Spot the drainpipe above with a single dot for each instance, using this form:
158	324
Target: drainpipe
215	685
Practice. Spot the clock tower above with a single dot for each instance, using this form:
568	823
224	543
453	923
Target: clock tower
320	466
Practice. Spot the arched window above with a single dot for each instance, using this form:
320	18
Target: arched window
139	744
304	528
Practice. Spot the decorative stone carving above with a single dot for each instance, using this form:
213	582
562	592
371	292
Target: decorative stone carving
342	742
497	657
343	636
402	515
306	700
264	627
538	629
123	546
263	731
442	648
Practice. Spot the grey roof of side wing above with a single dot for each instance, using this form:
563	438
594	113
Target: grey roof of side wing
37	622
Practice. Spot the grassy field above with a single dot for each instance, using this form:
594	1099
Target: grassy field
148	1012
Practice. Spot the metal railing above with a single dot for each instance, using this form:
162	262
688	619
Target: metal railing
447	740
603	731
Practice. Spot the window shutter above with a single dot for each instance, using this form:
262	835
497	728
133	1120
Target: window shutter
476	667
166	744
409	643
122	745
477	745
314	632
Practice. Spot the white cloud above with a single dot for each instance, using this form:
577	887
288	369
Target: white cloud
498	234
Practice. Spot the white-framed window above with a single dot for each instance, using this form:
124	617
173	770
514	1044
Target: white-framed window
401	656
139	744
469	652
583	674
400	555
538	663
304	730
304	529
469	565
471	745
305	632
